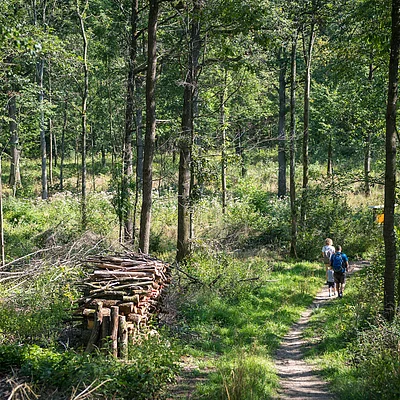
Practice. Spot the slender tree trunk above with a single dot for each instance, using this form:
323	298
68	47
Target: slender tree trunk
139	150
127	174
186	140
145	217
3	258
39	77
329	168
84	112
15	176
43	152
50	125
293	208
306	121
281	126
367	147
64	128
390	172
367	164
223	143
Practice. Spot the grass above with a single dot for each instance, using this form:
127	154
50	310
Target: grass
238	324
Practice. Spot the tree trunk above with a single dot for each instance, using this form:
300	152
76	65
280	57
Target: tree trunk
293	209
50	126
145	217
43	152
3	258
15	176
223	143
306	121
127	173
64	128
367	147
139	150
281	126
329	168
367	165
83	112
186	140
390	172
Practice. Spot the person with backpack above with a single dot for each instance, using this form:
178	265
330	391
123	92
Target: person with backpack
327	251
340	264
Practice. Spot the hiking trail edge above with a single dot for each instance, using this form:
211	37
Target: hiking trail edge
298	380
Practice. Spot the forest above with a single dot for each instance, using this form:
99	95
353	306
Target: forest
213	144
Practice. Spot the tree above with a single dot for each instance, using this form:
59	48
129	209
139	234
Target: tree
145	217
307	53
85	94
281	124
390	169
293	207
127	172
15	175
186	138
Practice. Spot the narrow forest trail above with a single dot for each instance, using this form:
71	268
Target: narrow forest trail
299	380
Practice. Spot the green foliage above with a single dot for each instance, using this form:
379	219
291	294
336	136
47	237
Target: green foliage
330	215
35	309
32	224
153	364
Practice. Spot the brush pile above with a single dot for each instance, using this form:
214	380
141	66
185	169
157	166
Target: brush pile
120	296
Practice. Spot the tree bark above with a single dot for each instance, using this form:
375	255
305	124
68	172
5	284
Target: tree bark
15	176
367	164
126	192
3	258
329	167
43	152
390	170
281	126
186	140
223	143
62	150
306	120
293	209
367	147
145	217
84	112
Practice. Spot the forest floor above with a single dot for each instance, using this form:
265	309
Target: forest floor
298	380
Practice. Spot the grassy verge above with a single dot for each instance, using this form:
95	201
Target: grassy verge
236	318
355	349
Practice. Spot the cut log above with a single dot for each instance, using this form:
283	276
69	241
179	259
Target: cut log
123	338
114	330
96	328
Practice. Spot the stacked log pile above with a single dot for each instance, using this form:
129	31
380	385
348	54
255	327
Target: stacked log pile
120	296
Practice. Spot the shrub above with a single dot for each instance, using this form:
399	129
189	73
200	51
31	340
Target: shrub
378	359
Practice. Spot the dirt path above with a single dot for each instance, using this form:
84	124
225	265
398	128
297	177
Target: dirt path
298	380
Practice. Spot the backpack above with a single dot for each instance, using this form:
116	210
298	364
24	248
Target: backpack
327	255
337	262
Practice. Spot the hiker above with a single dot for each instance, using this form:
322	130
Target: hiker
340	264
331	282
327	251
